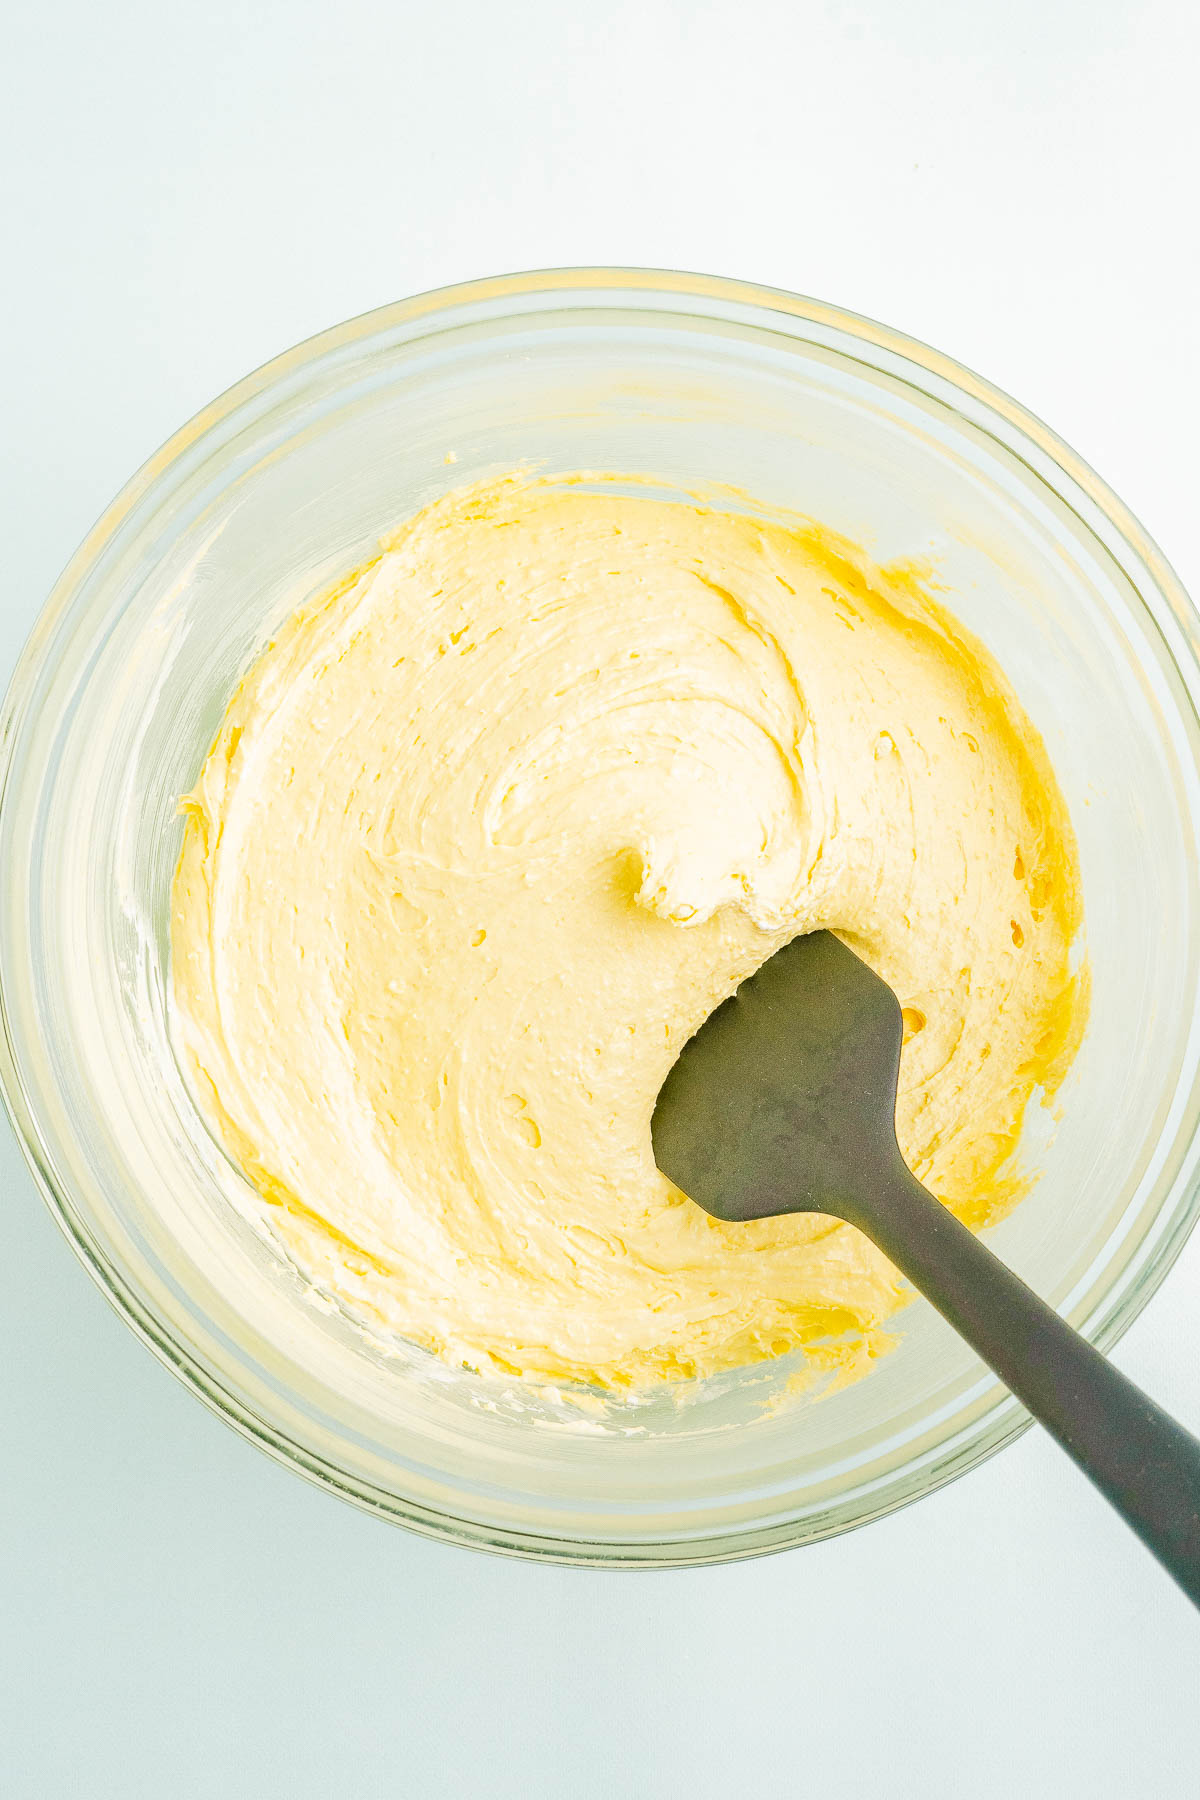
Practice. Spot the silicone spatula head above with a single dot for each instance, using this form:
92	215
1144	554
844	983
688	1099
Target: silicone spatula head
785	1099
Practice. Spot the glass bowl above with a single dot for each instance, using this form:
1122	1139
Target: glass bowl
287	481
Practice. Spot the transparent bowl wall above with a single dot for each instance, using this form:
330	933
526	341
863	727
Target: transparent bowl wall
287	481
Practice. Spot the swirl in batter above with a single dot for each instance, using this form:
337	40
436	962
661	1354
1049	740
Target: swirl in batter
488	831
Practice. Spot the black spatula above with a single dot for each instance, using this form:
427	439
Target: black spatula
785	1101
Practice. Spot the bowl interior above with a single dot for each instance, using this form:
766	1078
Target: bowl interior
289	482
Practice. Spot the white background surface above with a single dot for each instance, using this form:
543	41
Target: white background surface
196	186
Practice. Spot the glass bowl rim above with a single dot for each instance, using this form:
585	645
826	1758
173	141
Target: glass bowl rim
990	1427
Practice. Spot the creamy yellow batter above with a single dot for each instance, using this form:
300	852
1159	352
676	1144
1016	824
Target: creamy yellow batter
489	830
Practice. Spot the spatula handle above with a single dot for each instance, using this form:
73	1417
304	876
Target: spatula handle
1142	1461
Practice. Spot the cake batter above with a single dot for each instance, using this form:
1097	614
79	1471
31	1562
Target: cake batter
490	829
